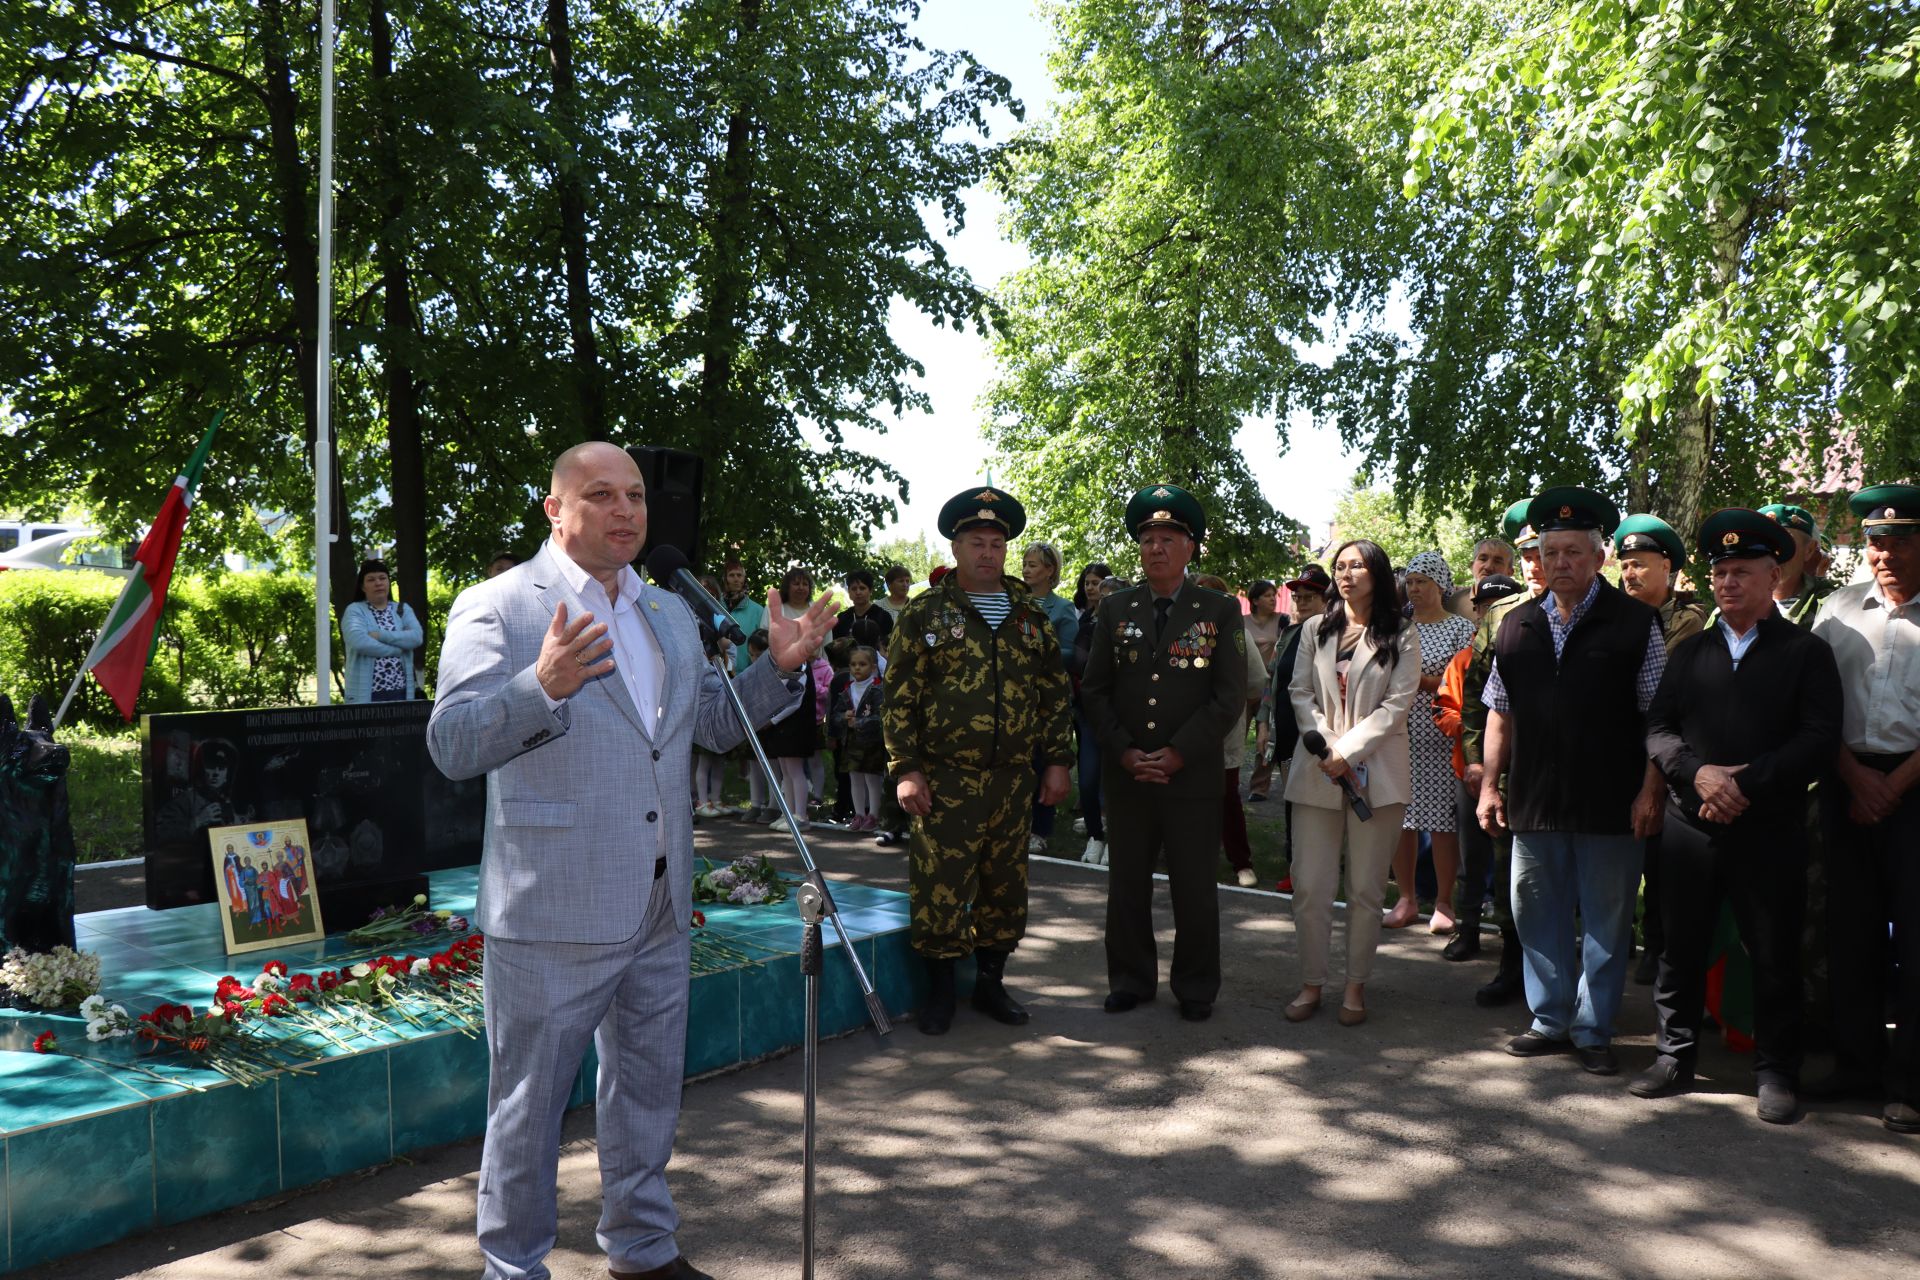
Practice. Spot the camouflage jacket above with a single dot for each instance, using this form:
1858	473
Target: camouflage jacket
962	693
1473	712
1681	616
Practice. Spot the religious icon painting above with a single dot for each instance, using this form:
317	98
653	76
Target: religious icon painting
265	883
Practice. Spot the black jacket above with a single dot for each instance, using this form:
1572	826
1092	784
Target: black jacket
1778	713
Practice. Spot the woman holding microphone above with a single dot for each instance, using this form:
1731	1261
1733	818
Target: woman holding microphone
1352	686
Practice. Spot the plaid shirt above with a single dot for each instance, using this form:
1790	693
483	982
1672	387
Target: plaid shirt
1651	668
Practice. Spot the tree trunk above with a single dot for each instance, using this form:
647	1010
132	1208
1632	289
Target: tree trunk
729	272
1696	414
405	454
302	257
570	181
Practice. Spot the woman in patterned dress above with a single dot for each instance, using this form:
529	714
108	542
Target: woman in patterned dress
1442	634
380	635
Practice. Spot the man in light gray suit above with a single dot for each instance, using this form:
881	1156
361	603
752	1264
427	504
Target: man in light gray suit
579	691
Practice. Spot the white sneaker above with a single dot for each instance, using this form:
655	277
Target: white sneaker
779	823
1079	826
1246	877
1096	853
1036	844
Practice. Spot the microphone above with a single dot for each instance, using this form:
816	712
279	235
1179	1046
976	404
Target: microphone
667	566
1313	741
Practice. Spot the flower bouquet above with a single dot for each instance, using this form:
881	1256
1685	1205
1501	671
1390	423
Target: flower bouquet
56	979
746	881
409	923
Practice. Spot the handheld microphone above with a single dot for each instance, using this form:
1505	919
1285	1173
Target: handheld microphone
1313	741
667	566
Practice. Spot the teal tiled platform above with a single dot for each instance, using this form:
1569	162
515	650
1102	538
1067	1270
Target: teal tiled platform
90	1155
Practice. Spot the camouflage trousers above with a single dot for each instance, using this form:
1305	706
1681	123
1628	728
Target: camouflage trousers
967	883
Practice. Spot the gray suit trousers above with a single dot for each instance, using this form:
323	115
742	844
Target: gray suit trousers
631	998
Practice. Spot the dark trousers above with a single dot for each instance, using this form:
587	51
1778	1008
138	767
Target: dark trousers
1041	820
1089	777
1233	824
1653	932
1187	831
1873	881
1762	875
1480	854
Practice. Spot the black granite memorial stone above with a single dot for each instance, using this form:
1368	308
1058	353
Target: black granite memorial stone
379	814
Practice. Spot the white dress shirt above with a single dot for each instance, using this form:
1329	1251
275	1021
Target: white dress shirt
637	659
1877	648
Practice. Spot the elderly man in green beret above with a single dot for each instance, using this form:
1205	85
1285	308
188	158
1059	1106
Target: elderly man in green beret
1166	677
975	693
1872	808
1801	588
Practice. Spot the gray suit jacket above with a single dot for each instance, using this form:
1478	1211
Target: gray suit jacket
580	802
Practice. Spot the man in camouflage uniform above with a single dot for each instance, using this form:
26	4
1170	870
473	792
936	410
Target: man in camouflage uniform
1479	849
975	691
1801	588
1652	555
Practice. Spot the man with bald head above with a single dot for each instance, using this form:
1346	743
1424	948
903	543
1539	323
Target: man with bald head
579	692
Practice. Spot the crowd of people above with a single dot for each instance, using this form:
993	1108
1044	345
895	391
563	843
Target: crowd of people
1549	736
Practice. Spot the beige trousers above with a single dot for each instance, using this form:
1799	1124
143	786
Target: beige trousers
1318	835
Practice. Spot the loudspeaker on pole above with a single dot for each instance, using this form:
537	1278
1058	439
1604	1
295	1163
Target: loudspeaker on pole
674	480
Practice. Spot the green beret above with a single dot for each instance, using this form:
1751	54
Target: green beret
1569	506
1792	517
1651	533
1737	533
1887	509
1165	504
986	508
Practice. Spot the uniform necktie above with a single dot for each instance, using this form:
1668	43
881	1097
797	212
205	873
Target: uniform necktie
1161	608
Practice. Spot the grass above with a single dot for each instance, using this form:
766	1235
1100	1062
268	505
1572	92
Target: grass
103	788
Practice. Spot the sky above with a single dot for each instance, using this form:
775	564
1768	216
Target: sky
942	452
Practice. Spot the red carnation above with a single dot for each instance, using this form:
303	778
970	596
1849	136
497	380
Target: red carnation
699	919
46	1042
301	986
275	1005
278	968
329	980
232	1010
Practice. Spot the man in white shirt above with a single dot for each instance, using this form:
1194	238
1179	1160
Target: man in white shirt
1872	807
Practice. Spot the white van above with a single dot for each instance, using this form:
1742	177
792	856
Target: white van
52	545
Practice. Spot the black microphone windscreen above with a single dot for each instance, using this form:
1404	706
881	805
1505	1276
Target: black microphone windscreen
664	561
1313	741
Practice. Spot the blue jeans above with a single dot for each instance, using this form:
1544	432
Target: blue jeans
1089	778
1556	876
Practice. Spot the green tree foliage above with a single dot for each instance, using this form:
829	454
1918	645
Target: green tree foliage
671	222
1404	531
1193	214
1732	184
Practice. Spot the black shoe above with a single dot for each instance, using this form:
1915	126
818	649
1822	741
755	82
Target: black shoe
1777	1104
1507	984
1121	1001
1196	1010
1258	797
887	839
1845	1082
989	992
1597	1059
1646	968
1531	1044
1465	943
1665	1076
1901	1117
936	1015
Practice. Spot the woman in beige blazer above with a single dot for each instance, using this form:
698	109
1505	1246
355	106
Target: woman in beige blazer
1353	683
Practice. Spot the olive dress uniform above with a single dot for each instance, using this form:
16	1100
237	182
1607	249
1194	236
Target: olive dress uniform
1155	678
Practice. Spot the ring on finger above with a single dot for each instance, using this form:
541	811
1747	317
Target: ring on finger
580	658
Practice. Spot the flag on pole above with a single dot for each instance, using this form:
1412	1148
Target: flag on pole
120	656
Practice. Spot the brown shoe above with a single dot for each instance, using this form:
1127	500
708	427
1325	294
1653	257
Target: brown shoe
1350	1016
678	1269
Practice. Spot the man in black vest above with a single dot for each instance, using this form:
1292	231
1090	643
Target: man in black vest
1573	674
1166	676
1747	716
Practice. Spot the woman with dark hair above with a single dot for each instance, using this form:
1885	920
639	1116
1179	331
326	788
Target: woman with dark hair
1352	685
796	594
380	635
863	621
1086	598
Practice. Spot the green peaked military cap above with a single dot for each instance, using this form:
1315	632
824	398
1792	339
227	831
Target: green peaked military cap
983	508
1515	529
1735	533
1887	508
1651	533
1165	504
1570	506
1788	516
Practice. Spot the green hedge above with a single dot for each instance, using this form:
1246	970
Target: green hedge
228	640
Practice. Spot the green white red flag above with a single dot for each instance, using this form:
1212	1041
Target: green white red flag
125	647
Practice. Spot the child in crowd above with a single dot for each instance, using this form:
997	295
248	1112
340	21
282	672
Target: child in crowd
853	725
790	741
824	671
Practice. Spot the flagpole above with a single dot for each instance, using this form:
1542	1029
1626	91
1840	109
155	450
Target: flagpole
87	664
323	393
